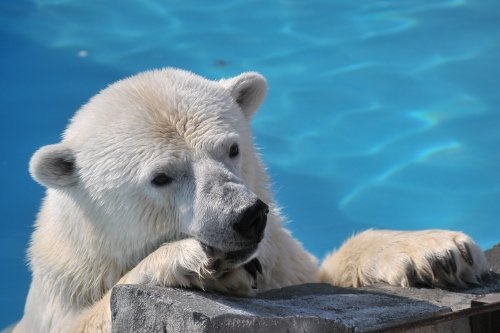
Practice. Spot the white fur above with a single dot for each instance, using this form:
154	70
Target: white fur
102	222
404	258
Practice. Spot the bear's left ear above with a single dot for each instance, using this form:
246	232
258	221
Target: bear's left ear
54	166
248	90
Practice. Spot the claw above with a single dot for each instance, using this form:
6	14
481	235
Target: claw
465	252
253	267
258	265
426	280
452	262
440	268
411	273
443	263
216	264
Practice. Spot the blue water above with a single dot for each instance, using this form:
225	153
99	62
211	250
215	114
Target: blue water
380	114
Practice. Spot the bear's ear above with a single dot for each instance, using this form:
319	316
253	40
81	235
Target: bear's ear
54	166
248	90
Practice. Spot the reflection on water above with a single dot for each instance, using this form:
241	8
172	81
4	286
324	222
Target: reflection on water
385	176
381	114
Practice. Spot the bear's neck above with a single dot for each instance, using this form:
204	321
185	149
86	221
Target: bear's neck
69	253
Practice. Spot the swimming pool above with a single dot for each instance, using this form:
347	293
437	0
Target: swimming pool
380	114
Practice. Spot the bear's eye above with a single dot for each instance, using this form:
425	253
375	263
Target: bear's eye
234	150
161	179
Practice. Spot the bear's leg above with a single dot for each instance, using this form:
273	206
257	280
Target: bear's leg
405	258
183	263
187	263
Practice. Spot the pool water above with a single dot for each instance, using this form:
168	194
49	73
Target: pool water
380	114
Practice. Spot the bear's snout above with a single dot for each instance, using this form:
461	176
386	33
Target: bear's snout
253	221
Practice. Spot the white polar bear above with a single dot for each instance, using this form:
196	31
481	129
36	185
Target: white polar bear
157	181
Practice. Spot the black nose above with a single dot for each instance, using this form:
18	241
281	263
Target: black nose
253	222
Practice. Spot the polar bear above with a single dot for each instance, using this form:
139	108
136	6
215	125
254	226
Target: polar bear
156	181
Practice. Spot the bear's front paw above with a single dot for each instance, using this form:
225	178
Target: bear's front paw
189	263
184	263
437	258
445	259
241	281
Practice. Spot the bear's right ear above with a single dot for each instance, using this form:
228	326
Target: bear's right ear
54	166
248	91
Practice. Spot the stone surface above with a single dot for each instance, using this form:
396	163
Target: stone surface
303	308
493	256
455	300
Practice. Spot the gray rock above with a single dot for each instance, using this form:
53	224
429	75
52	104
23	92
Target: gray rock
303	308
493	256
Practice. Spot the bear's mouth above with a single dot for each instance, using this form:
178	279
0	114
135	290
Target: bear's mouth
230	259
241	256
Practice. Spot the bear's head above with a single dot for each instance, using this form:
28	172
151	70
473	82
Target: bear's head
161	156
